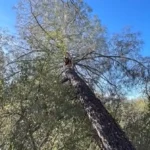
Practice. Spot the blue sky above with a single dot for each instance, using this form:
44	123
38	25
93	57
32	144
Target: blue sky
7	14
114	14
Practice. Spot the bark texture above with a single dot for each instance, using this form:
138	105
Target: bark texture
109	132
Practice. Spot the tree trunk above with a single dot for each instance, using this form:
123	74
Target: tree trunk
109	132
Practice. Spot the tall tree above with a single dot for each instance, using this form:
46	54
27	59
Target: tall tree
107	62
48	29
110	134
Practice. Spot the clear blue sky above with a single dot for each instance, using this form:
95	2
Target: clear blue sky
115	14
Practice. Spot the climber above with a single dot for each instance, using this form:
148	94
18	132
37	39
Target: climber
68	60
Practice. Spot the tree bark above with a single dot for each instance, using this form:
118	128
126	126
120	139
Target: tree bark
109	132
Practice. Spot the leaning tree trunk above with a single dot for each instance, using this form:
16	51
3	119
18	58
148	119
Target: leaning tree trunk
109	132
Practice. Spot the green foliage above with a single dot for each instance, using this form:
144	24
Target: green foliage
133	117
36	110
39	113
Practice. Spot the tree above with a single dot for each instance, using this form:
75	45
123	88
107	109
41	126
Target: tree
133	116
110	134
107	62
37	114
113	64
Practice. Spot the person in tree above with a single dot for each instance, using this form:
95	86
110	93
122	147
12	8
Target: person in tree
68	60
